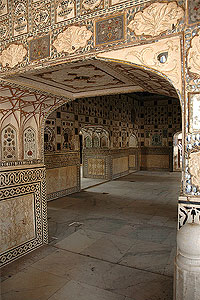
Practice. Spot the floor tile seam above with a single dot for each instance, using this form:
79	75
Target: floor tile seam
113	263
90	285
97	184
57	289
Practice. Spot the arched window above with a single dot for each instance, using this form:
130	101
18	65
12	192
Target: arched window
88	142
95	142
49	139
68	142
133	142
104	142
29	143
9	143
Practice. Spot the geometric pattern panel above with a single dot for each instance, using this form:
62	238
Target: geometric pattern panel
26	187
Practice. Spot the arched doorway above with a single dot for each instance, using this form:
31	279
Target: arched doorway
119	140
177	151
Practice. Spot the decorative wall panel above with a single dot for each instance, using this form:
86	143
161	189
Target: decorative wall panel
120	166
23	190
193	11
73	38
193	56
96	167
109	30
64	10
3	7
194	118
20	17
39	48
9	143
13	55
156	19
17	221
29	143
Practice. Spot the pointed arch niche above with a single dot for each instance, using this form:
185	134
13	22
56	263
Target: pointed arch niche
9	143
29	138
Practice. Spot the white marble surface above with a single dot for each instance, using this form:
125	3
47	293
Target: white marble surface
106	243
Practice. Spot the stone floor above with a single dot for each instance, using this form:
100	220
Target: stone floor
115	241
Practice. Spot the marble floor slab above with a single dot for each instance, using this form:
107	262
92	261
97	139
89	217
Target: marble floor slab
115	241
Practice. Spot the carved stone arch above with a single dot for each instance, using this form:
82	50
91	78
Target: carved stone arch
9	143
30	144
133	141
147	57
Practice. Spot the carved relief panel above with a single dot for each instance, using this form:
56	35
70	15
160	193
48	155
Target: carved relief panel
194	117
64	10
20	17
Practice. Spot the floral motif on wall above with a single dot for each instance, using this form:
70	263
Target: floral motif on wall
156	19
73	38
109	30
29	144
12	55
194	56
194	167
9	143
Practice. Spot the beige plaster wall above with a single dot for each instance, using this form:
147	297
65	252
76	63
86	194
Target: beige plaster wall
120	165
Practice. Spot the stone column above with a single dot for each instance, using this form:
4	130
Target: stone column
187	263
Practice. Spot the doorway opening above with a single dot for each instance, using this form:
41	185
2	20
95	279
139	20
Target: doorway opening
177	152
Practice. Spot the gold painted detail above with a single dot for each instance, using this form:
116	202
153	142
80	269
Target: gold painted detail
194	55
13	55
72	38
156	19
